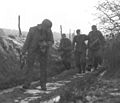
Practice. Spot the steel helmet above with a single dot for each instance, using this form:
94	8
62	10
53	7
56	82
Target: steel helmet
47	23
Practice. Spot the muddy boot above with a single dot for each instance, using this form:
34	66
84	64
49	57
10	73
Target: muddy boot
43	87
89	68
68	67
95	67
26	86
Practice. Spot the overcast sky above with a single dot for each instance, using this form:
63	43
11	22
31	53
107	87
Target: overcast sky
71	14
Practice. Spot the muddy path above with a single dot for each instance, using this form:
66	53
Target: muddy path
18	95
67	87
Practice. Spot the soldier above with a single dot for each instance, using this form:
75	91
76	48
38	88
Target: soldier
38	42
80	50
65	48
95	45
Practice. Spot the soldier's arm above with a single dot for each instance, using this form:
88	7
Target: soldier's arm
86	37
50	38
27	41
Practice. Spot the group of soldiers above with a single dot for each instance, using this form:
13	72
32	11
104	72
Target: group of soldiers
87	50
40	39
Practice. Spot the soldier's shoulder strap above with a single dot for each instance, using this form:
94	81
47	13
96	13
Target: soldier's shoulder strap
33	29
89	33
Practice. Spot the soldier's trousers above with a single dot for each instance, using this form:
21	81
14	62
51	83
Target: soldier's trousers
66	59
95	58
42	58
80	60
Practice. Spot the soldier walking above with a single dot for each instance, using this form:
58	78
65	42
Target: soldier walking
38	42
65	48
95	46
80	47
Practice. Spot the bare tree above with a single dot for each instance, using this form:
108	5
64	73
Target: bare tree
109	15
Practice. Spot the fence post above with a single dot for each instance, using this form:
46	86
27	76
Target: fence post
20	33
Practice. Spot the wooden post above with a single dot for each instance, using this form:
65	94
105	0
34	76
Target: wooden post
61	30
20	33
70	34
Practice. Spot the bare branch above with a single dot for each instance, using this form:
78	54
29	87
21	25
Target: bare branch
109	14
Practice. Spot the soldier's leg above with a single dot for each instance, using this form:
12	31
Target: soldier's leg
77	60
83	67
68	61
100	60
67	65
83	61
29	69
64	62
90	60
43	59
96	62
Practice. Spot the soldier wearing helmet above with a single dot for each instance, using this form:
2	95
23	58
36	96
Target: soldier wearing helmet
37	43
80	47
95	45
65	48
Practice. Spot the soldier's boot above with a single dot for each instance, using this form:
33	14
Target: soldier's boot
43	86
28	80
26	85
89	68
83	69
95	66
68	66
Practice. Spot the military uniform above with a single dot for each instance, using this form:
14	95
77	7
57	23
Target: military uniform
95	44
37	44
65	49
80	51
